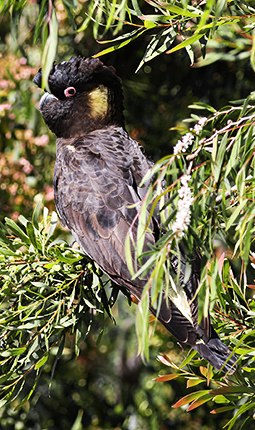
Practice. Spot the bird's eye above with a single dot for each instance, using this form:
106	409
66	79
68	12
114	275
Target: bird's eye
70	91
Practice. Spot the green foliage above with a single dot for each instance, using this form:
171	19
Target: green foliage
218	157
49	291
185	23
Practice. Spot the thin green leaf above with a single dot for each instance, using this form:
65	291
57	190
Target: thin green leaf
65	259
185	43
50	49
91	10
189	357
4	8
39	21
71	3
220	157
128	255
41	362
35	217
240	411
179	11
141	229
4	239
69	10
77	425
235	214
53	224
152	51
208	7
120	45
59	354
17	230
136	7
32	235
13	352
142	326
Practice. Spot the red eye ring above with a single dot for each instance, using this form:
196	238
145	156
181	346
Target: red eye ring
70	92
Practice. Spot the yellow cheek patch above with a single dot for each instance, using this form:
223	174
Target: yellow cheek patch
99	101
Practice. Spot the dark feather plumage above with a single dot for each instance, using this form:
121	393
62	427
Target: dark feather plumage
96	182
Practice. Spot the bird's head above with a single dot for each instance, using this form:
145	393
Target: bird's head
85	95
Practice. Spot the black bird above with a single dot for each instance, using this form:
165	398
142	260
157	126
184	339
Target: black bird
96	183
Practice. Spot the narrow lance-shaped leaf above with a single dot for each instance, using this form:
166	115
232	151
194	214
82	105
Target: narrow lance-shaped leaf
190	397
220	157
152	51
209	5
141	230
180	11
53	224
170	377
120	45
17	230
35	217
32	235
247	406
142	326
39	21
185	43
196	403
50	49
128	253
91	9
235	214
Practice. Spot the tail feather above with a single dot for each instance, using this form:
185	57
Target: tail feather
217	354
203	338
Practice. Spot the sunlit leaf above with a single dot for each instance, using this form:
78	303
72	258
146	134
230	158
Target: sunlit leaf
196	403
179	11
136	33
39	21
241	410
50	49
190	397
185	43
17	230
164	378
192	382
235	214
32	235
222	409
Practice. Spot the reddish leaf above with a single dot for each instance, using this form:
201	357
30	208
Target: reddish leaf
224	390
190	397
222	409
168	377
199	402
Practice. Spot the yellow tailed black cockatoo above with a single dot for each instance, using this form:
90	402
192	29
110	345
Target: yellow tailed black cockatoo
96	183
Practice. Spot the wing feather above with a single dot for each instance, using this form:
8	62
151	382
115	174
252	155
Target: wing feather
97	194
